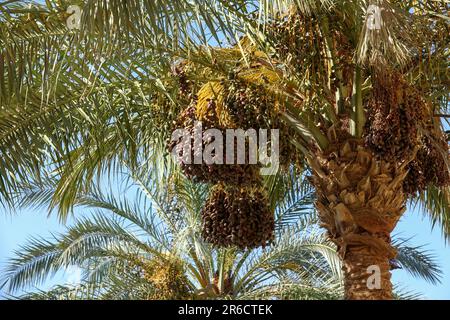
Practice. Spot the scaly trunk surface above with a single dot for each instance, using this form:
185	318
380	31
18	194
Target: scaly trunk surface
360	200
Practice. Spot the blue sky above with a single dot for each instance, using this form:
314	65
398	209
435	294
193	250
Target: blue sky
15	230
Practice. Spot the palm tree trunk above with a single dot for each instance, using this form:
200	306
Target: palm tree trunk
367	274
360	200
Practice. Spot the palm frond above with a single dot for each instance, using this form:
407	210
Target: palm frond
435	203
417	261
32	265
385	38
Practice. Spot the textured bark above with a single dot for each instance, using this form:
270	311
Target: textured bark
359	259
360	200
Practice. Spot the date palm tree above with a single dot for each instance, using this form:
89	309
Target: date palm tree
363	84
145	243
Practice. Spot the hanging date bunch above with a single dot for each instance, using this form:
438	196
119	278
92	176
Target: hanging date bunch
299	43
166	274
294	35
186	87
238	216
237	212
430	166
395	113
248	106
399	124
189	149
168	278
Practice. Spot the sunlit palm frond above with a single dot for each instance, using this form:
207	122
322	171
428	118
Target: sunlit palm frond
32	265
418	261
